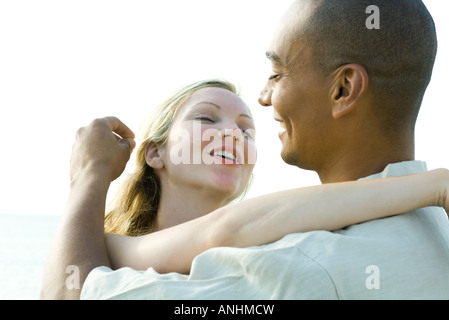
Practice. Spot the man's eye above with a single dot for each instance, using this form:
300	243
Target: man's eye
274	77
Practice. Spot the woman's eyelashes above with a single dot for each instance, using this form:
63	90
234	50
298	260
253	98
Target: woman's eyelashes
204	118
247	131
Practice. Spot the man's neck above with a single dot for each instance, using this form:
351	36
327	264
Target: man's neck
365	161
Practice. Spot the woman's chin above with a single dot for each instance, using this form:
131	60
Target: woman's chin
225	183
226	188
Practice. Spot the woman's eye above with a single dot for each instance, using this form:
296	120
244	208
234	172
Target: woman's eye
204	119
248	133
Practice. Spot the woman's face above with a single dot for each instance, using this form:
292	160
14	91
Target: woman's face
211	144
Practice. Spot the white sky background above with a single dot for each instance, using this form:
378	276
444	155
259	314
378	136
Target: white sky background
63	63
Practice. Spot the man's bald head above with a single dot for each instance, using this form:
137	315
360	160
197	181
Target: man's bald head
398	57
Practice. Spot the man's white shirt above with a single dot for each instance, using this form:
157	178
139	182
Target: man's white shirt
399	257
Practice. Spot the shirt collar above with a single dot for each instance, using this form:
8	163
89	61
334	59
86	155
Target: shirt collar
400	169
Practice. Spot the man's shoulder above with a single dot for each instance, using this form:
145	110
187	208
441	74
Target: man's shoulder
410	231
406	256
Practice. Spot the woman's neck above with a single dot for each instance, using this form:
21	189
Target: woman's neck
179	206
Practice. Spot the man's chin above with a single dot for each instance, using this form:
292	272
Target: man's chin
289	157
294	159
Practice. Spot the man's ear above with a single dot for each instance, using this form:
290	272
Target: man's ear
350	84
153	156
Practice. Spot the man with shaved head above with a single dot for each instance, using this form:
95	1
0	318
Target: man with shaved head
347	97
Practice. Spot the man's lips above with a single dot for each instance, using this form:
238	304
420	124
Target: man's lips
278	119
282	124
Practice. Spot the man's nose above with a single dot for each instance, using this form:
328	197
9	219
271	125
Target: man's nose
265	97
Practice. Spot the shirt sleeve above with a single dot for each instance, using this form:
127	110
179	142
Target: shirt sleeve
103	283
275	271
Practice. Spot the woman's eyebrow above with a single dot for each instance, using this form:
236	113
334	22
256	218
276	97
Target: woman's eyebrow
249	120
213	104
218	107
247	116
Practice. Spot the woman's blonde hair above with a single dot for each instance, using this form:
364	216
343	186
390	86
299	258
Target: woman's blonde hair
134	209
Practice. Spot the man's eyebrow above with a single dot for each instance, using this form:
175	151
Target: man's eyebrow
273	57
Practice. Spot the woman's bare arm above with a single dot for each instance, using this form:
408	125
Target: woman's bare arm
268	218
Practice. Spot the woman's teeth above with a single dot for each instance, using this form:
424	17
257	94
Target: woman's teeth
225	155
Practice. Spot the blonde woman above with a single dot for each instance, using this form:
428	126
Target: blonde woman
196	156
172	167
162	195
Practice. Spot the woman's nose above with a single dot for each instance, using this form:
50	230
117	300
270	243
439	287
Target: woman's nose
234	135
230	131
